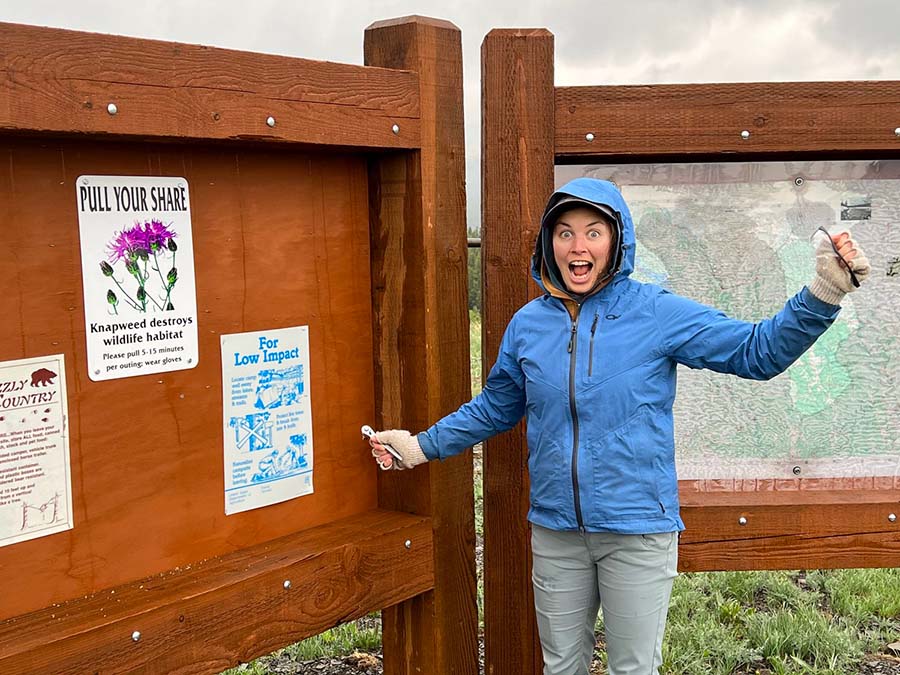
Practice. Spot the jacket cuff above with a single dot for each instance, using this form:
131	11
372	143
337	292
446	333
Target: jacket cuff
428	448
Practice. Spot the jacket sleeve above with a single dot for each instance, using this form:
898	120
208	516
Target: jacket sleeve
499	406
702	337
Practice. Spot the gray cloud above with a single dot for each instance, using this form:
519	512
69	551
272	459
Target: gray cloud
863	29
597	41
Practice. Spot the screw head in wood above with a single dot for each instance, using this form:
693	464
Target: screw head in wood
112	108
745	134
396	129
270	121
407	543
589	137
287	584
742	521
136	635
897	131
892	517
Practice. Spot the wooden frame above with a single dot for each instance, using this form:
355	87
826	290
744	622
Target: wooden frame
419	215
528	126
60	81
391	132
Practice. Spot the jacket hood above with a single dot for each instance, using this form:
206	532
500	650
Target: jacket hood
604	196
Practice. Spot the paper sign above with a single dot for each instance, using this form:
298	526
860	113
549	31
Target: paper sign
267	420
35	481
137	265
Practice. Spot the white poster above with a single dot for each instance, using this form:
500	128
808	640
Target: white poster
137	265
267	418
35	482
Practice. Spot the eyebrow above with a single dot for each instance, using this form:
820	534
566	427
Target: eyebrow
601	221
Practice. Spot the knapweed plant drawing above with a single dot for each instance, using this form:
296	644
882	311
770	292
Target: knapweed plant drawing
147	254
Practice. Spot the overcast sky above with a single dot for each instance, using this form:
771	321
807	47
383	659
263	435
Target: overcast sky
597	42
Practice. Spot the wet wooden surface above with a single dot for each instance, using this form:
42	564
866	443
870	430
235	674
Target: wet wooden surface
281	239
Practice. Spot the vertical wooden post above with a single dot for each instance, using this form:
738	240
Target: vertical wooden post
517	132
418	217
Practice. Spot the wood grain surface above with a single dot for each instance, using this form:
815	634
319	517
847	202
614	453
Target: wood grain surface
61	82
707	119
280	239
214	614
516	180
418	215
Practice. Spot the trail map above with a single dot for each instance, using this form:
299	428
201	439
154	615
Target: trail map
738	237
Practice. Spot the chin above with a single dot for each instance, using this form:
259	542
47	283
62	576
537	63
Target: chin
581	287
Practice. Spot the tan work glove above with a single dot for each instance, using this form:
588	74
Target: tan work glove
832	280
404	443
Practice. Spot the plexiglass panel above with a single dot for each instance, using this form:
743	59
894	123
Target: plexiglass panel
737	236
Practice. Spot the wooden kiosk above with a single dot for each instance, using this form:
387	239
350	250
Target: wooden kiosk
529	128
322	195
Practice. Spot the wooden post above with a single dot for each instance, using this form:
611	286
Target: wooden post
418	213
516	179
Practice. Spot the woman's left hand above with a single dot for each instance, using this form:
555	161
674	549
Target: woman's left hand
833	279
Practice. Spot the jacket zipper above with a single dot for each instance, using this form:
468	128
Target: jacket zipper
573	350
591	352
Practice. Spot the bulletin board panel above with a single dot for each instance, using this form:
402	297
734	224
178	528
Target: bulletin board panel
280	239
531	128
322	195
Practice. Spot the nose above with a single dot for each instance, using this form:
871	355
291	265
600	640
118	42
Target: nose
579	243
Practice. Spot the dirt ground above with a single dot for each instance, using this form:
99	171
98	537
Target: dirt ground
370	664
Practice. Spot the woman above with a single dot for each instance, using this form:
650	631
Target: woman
592	363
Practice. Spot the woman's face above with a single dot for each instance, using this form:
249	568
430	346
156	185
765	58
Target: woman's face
582	242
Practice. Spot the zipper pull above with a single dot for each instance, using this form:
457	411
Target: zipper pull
594	325
574	328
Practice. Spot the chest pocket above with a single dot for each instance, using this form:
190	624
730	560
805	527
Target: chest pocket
616	344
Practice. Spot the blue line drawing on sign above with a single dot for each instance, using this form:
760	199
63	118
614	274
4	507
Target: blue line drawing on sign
253	428
292	460
278	388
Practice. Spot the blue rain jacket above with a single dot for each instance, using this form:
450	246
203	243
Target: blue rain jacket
597	390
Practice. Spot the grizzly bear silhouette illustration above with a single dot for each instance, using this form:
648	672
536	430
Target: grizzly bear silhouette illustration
42	377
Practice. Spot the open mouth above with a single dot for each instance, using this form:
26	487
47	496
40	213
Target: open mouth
580	269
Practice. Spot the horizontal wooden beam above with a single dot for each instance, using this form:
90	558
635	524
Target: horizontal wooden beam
207	617
62	82
791	536
708	119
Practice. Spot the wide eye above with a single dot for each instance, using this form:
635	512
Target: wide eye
565	234
594	234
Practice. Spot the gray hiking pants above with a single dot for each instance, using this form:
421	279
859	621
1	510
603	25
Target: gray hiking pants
630	576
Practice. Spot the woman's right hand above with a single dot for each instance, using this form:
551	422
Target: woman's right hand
403	442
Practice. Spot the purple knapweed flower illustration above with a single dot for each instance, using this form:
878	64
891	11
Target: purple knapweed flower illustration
142	249
151	236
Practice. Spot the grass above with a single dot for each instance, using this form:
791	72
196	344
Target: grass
821	622
475	350
363	635
780	622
